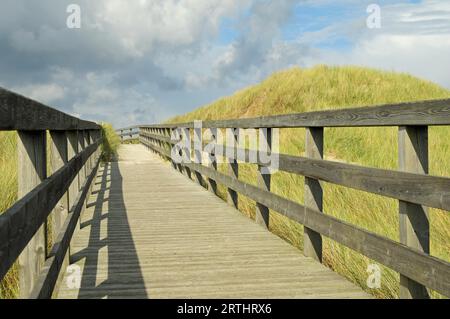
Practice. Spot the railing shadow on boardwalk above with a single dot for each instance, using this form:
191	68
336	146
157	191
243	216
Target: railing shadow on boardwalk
123	267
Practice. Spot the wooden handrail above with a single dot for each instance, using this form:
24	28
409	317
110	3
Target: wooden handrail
75	156
418	269
433	112
21	113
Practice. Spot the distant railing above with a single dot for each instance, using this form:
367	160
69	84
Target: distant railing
61	193
411	185
128	133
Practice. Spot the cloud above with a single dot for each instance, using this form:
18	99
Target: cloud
143	61
260	29
413	38
45	93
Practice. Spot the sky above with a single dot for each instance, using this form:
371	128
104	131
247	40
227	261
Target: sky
143	61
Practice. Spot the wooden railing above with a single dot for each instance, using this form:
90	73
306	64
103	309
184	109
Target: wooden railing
128	133
61	193
411	184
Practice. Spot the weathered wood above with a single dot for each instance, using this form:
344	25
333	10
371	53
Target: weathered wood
48	278
20	223
72	151
414	223
263	177
81	147
59	158
182	242
212	163
198	156
233	166
165	139
32	171
431	191
423	268
312	241
20	113
433	112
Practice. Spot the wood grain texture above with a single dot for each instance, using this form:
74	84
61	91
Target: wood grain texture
150	232
263	178
20	223
423	268
59	158
312	241
414	220
427	190
434	112
47	280
32	170
21	113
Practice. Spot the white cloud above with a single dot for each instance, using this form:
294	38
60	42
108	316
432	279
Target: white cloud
44	93
414	38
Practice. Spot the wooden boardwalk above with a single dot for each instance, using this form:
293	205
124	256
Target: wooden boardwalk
149	232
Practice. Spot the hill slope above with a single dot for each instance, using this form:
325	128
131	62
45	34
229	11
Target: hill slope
301	90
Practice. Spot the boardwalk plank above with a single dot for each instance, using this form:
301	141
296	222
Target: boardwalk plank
150	232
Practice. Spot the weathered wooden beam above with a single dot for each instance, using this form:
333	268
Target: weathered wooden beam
423	268
212	163
414	223
233	166
20	223
72	151
56	263
263	177
312	240
432	112
59	158
21	113
431	191
32	159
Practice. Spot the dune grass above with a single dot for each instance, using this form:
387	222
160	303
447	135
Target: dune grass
323	87
9	286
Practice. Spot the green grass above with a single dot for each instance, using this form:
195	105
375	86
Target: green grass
111	143
322	87
9	287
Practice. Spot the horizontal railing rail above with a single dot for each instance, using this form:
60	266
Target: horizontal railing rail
58	196
433	113
411	184
21	113
127	133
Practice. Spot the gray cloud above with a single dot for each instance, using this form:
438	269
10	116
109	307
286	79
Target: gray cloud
143	61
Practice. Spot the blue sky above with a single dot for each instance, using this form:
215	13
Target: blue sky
144	61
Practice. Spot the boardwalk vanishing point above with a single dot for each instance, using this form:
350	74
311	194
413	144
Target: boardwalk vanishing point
136	242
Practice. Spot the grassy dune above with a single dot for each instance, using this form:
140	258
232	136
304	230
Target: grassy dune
8	184
302	90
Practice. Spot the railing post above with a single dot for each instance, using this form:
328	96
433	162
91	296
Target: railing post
32	171
312	241
212	185
72	151
233	167
186	153
198	155
414	223
263	180
59	158
82	172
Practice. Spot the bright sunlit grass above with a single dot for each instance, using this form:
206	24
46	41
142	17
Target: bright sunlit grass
319	88
9	286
